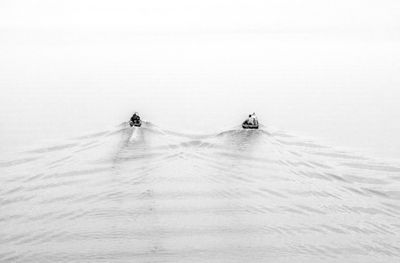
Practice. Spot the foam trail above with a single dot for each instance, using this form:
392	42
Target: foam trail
135	134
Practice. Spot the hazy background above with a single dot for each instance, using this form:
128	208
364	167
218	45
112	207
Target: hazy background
328	70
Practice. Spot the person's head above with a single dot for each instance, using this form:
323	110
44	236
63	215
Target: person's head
249	115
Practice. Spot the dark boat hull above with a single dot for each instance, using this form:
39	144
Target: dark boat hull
136	124
248	126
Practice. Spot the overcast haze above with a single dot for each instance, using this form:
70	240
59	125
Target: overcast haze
328	70
317	181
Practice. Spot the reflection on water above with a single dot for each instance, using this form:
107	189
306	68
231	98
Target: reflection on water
151	195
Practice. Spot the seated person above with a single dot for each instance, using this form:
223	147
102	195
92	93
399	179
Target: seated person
134	119
250	120
255	120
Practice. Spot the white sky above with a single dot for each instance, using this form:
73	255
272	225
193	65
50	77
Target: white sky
202	15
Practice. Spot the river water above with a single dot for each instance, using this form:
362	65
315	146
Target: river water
153	195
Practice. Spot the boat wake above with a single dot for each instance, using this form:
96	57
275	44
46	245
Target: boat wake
152	195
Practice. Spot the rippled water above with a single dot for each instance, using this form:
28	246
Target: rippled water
152	195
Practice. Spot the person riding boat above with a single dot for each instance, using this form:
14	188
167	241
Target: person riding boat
135	120
251	122
254	117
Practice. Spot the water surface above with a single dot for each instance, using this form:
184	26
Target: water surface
152	195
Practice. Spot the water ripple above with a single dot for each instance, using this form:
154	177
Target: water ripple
153	195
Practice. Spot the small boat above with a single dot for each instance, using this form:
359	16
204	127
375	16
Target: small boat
246	125
135	123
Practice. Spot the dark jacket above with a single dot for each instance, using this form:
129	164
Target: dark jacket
135	118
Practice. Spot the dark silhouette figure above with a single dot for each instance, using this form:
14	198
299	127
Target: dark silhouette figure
135	120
